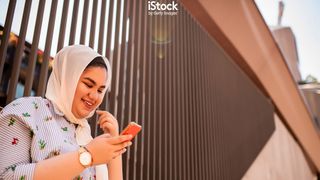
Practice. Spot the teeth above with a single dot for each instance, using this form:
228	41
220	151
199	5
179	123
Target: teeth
90	104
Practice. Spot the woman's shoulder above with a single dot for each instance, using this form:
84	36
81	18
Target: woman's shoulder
27	101
24	106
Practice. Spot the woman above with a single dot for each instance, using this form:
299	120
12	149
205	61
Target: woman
50	138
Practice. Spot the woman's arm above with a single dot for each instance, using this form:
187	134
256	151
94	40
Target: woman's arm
115	168
66	166
109	125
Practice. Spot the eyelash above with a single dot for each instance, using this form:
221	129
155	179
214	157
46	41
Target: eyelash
89	86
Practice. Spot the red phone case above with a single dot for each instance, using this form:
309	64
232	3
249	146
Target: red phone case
132	128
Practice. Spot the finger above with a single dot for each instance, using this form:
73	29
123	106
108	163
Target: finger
120	139
107	127
121	151
119	147
105	119
100	112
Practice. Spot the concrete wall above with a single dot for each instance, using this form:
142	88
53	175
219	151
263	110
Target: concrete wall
281	158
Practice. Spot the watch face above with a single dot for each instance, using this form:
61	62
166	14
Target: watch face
85	158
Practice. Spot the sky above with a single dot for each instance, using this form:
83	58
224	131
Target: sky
302	16
304	19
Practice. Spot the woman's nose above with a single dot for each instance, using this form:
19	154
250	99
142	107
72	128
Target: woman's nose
93	95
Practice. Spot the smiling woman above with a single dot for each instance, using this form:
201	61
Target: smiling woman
40	137
90	89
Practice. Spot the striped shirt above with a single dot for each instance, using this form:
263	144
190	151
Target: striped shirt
32	130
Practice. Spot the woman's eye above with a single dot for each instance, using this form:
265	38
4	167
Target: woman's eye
100	91
88	85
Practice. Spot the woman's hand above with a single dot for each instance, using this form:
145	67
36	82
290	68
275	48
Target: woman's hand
104	148
108	123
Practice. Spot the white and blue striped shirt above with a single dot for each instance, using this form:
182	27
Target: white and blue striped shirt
31	131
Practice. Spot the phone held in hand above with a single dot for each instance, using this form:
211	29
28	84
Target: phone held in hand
132	128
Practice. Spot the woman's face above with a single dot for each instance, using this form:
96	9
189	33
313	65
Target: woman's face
89	92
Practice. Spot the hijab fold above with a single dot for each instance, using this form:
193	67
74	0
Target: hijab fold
68	65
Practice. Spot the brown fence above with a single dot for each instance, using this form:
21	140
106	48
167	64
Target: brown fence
202	117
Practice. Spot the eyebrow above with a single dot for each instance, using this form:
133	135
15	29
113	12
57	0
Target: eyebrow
93	82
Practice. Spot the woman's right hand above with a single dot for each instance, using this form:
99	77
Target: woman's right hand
104	148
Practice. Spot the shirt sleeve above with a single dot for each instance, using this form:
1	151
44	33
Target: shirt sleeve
15	141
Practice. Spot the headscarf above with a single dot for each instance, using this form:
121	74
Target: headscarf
68	65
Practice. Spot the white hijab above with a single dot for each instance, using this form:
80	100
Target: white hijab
68	65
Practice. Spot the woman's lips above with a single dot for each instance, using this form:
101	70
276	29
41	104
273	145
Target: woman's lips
88	104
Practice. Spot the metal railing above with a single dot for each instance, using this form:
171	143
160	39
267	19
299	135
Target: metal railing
202	117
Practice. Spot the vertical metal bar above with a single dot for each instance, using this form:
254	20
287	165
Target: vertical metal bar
188	38
122	63
18	54
115	62
208	117
74	22
135	85
193	107
142	91
206	124
93	23
129	86
179	97
211	138
200	120
84	22
108	49
172	53
46	55
203	119
196	119
6	35
101	30
63	24
170	97
34	47
109	31
154	100
175	102
147	124
164	104
159	97
183	96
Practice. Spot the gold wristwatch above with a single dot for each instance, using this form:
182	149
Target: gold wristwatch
85	157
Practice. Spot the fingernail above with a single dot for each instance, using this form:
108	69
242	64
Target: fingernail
129	143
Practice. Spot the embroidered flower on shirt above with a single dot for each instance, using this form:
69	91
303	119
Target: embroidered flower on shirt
12	167
22	177
53	153
42	144
26	114
15	141
11	121
15	104
48	118
65	128
35	105
79	178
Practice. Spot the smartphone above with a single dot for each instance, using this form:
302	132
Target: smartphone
132	128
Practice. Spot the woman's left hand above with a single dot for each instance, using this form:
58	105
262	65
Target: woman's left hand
108	123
